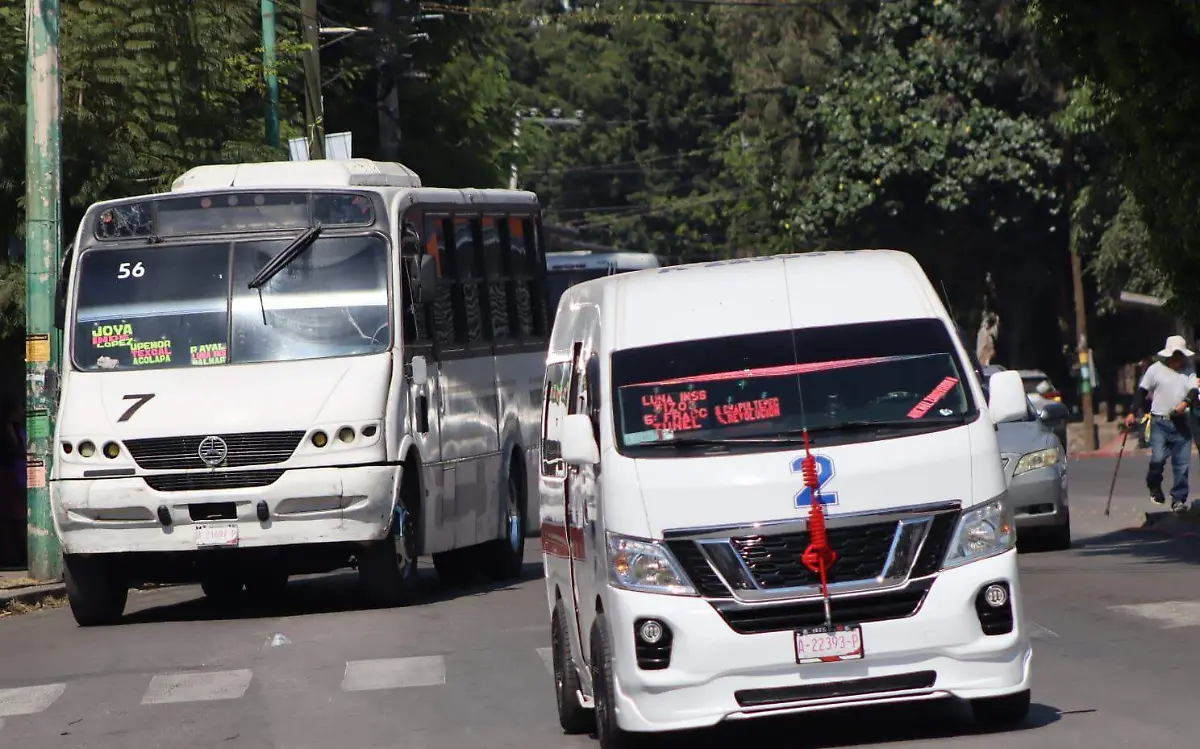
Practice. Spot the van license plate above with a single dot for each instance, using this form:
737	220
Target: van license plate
217	534
829	645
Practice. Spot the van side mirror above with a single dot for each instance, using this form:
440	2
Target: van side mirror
579	446
1006	397
418	371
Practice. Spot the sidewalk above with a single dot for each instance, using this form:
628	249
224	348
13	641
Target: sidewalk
17	589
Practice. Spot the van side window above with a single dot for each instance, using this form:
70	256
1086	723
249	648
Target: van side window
558	377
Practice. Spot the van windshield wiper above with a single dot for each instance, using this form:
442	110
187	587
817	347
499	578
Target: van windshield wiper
847	426
285	257
724	441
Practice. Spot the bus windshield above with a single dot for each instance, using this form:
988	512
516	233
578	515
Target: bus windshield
170	306
841	383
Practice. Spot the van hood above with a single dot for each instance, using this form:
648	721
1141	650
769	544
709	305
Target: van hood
696	492
214	400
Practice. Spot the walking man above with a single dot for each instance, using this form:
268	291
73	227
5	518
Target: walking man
1170	390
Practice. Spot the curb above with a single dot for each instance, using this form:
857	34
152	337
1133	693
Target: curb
32	595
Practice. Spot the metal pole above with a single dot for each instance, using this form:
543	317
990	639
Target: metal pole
270	72
1081	341
313	115
43	188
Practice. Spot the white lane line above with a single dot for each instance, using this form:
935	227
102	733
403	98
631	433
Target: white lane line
28	700
394	673
198	687
1171	614
547	658
1038	632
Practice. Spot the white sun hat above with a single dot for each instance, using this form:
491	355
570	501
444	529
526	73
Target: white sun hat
1176	343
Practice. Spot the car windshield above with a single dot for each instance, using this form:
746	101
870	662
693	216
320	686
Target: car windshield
842	383
170	305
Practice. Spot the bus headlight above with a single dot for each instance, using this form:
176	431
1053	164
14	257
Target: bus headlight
983	531
644	566
320	439
1037	459
87	448
111	450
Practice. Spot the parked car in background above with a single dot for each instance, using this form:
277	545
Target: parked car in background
1035	465
1045	398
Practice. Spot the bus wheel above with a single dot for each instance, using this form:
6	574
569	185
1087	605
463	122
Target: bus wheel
387	568
95	592
508	552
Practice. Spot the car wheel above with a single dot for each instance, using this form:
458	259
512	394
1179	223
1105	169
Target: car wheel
1059	537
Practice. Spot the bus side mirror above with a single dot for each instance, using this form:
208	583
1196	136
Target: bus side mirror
418	371
60	304
579	446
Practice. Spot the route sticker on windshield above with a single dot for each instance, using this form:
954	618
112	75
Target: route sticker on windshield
208	353
929	401
151	352
112	336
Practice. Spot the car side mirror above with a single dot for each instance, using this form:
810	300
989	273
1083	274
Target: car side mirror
1006	397
1054	412
578	442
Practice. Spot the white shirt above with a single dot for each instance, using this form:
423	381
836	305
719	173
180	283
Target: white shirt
1167	388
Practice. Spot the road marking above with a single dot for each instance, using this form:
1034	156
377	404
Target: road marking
1038	632
394	673
28	700
197	687
547	658
1171	614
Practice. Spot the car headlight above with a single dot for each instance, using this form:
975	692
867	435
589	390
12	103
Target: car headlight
1037	459
645	566
983	531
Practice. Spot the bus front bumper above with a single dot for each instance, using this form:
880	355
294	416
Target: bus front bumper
303	506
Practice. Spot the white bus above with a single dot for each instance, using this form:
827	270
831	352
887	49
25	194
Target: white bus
289	368
570	267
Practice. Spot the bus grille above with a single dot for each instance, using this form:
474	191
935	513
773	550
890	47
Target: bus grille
191	482
181	453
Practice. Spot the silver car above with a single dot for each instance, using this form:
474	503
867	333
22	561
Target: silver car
1035	466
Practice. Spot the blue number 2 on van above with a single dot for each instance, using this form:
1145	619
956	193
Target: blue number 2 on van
825	474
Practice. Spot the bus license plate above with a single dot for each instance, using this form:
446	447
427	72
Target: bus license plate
217	534
828	645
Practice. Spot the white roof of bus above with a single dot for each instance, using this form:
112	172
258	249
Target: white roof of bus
591	260
737	297
320	172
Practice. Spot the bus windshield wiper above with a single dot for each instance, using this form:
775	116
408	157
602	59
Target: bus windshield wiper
285	257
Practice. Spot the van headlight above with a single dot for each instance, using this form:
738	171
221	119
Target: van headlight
645	566
983	531
1037	459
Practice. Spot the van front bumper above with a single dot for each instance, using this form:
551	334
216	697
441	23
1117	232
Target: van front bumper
710	663
309	505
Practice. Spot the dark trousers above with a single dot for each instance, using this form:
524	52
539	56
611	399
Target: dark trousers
1170	438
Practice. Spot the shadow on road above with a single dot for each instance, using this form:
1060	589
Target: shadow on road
1140	545
320	594
922	721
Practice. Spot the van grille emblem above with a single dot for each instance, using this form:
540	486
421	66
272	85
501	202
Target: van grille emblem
213	451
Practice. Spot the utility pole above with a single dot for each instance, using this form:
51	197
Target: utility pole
270	72
386	90
1081	339
534	116
43	195
313	109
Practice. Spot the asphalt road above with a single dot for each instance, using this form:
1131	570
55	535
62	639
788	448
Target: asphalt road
1116	657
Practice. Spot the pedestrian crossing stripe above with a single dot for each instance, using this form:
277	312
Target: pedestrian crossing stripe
1168	614
28	700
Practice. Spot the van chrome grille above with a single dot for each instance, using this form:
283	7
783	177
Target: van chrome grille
774	561
183	453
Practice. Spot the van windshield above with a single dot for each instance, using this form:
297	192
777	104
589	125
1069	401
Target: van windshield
842	383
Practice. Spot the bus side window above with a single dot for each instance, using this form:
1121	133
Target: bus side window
537	263
468	308
416	316
520	272
443	301
495	299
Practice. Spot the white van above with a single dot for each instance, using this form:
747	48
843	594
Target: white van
674	514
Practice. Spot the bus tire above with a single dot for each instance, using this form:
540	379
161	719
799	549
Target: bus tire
387	568
573	717
95	592
506	555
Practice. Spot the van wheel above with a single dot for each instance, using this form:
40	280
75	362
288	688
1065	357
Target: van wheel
507	553
573	717
609	733
387	568
95	592
1008	711
221	589
457	567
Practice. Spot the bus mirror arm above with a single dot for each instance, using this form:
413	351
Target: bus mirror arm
427	277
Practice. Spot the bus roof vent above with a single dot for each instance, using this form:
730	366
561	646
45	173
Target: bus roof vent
298	174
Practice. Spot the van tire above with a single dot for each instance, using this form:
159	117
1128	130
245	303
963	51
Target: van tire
609	733
573	717
506	555
95	592
1008	711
